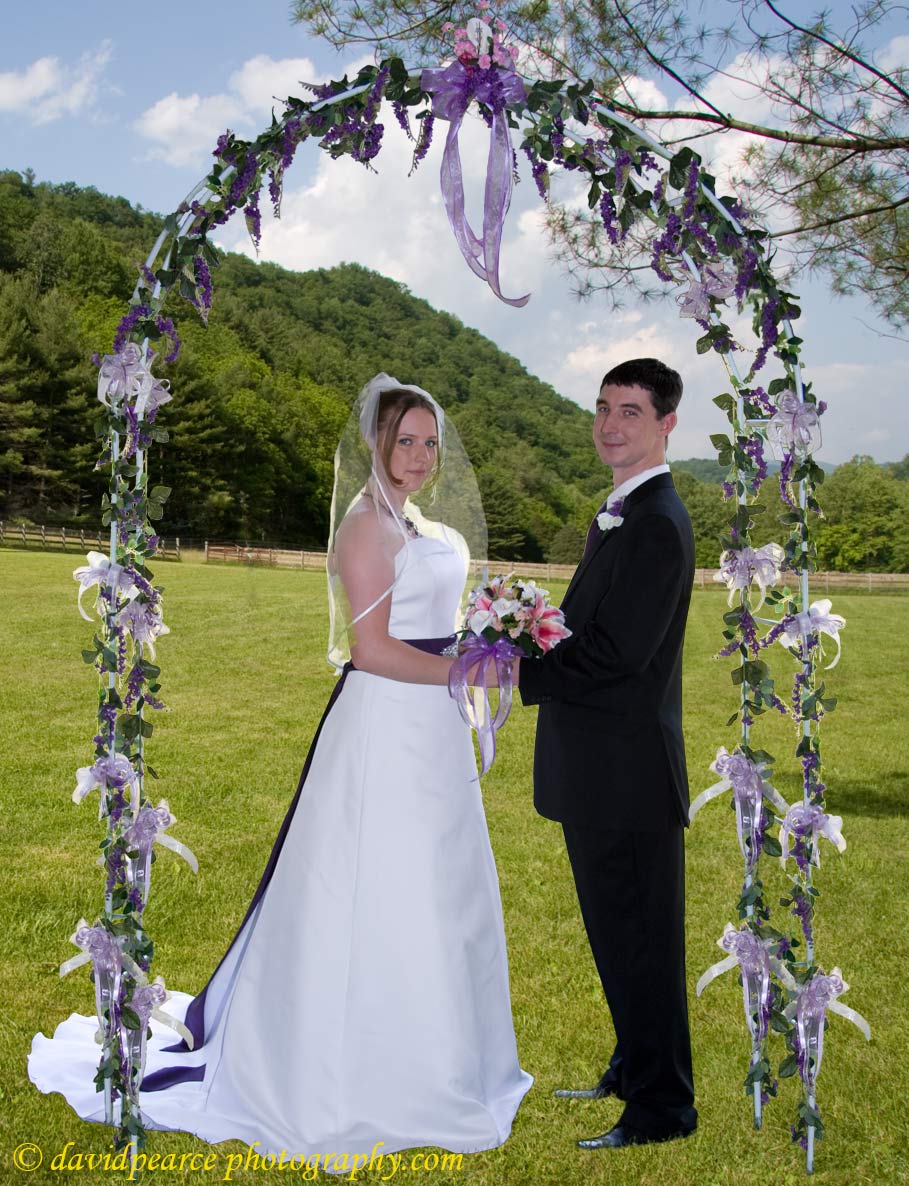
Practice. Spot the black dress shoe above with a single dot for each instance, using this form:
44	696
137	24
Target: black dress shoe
604	1088
623	1135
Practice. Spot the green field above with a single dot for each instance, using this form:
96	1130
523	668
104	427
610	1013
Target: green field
246	681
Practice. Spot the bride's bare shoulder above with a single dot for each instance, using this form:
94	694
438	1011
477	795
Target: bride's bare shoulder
362	530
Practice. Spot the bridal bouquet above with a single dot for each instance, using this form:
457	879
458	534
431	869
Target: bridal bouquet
505	620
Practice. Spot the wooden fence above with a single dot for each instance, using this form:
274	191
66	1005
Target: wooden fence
78	540
66	539
703	577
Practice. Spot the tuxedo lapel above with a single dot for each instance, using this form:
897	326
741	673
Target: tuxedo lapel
587	561
657	482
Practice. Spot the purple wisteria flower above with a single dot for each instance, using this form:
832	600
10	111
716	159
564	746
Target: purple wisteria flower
128	323
423	141
610	219
769	330
253	217
203	286
400	110
168	329
539	171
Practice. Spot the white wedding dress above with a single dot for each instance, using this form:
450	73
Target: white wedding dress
365	998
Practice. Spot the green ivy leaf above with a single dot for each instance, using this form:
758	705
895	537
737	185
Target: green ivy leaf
771	846
788	1066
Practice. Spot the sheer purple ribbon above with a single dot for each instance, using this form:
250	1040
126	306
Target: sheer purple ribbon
806	821
749	952
818	620
113	772
794	428
472	667
452	89
814	1001
749	788
147	828
146	1001
754	963
120	374
107	957
739	567
714	281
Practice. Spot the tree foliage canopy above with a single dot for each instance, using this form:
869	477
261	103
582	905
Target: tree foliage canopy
826	170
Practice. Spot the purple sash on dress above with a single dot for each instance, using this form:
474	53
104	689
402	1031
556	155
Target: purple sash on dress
195	1014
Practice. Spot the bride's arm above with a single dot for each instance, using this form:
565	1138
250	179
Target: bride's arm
366	566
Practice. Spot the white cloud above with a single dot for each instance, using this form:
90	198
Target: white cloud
262	83
645	93
49	89
19	88
895	55
184	128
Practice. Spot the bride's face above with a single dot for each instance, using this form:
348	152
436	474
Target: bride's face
415	450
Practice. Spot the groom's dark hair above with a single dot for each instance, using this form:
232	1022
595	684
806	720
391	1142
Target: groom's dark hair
663	383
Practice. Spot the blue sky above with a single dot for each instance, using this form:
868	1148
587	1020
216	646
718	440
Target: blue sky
130	99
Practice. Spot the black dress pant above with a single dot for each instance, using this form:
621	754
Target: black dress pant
631	888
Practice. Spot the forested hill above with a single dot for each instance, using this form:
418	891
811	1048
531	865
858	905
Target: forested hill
261	394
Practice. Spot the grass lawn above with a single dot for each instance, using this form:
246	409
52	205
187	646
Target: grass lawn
245	680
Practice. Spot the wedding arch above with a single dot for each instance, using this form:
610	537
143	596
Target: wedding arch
698	239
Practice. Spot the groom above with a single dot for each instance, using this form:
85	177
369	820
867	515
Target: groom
609	763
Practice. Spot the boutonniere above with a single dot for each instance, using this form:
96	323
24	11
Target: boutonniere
612	516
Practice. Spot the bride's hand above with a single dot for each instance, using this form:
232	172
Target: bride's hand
492	674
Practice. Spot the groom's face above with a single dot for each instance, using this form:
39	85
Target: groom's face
626	431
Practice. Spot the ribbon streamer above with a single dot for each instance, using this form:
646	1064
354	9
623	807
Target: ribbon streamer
814	999
101	572
818	620
749	787
146	830
146	1003
750	953
452	90
472	667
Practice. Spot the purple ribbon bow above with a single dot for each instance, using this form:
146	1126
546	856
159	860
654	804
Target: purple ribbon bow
120	374
808	822
107	958
748	795
141	835
471	668
452	89
754	964
813	1002
795	426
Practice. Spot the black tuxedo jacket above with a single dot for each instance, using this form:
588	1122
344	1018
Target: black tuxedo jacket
609	746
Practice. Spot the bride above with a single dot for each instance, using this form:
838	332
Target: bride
365	996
